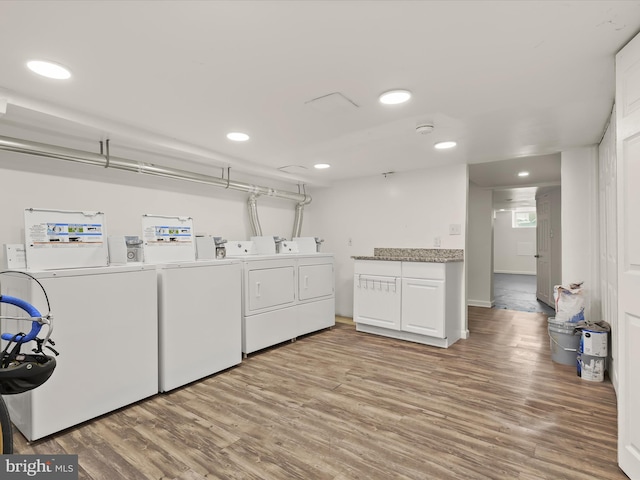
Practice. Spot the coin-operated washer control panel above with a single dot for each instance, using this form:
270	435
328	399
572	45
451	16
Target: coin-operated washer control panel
134	248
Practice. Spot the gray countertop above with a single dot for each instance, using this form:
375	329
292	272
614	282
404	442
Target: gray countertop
432	255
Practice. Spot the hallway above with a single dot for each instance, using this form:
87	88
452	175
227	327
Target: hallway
518	292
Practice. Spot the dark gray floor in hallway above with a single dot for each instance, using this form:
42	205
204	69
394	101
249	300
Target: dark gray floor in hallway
518	292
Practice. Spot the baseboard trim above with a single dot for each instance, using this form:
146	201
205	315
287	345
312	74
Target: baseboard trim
480	303
513	272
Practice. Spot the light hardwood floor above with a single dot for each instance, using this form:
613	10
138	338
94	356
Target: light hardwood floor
344	405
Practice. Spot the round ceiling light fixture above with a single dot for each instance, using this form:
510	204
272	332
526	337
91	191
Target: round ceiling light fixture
394	97
238	136
321	166
444	145
49	69
523	174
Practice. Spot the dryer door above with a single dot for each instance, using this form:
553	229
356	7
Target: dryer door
270	287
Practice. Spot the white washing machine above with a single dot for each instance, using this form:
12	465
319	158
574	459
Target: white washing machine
199	320
106	330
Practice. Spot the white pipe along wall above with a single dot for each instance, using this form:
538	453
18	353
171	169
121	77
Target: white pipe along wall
125	198
106	161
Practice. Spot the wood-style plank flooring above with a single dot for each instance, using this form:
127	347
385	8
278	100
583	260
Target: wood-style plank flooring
343	405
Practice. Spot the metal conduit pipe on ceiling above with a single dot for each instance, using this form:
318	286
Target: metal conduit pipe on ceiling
89	158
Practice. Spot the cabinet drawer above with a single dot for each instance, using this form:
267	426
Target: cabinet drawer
377	267
423	270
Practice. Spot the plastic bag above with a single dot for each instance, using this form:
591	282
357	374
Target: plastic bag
569	303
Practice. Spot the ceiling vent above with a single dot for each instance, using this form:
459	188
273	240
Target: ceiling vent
332	102
292	168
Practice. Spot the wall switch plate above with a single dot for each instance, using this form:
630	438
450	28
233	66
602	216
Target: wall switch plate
455	229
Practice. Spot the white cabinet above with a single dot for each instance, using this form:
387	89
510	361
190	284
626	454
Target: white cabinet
416	301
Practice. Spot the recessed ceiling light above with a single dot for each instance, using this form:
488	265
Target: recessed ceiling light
523	174
445	145
238	136
49	69
321	166
393	97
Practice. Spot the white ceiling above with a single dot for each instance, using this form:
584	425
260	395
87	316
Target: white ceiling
511	191
505	79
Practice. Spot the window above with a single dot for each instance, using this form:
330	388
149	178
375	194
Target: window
524	219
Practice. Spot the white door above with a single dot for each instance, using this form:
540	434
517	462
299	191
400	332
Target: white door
543	250
423	306
628	172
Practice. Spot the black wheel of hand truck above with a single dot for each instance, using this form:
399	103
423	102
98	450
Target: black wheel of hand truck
6	439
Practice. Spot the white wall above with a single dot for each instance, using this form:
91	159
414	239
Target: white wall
124	197
580	243
479	252
507	258
402	210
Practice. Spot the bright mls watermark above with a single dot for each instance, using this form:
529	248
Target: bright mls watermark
50	467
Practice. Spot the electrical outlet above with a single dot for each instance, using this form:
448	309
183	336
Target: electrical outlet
350	243
436	242
455	229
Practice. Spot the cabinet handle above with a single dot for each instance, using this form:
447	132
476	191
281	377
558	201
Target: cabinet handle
306	282
258	289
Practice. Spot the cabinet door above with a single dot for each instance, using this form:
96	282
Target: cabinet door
423	307
376	301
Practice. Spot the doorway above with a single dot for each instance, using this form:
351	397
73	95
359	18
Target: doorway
499	187
526	249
